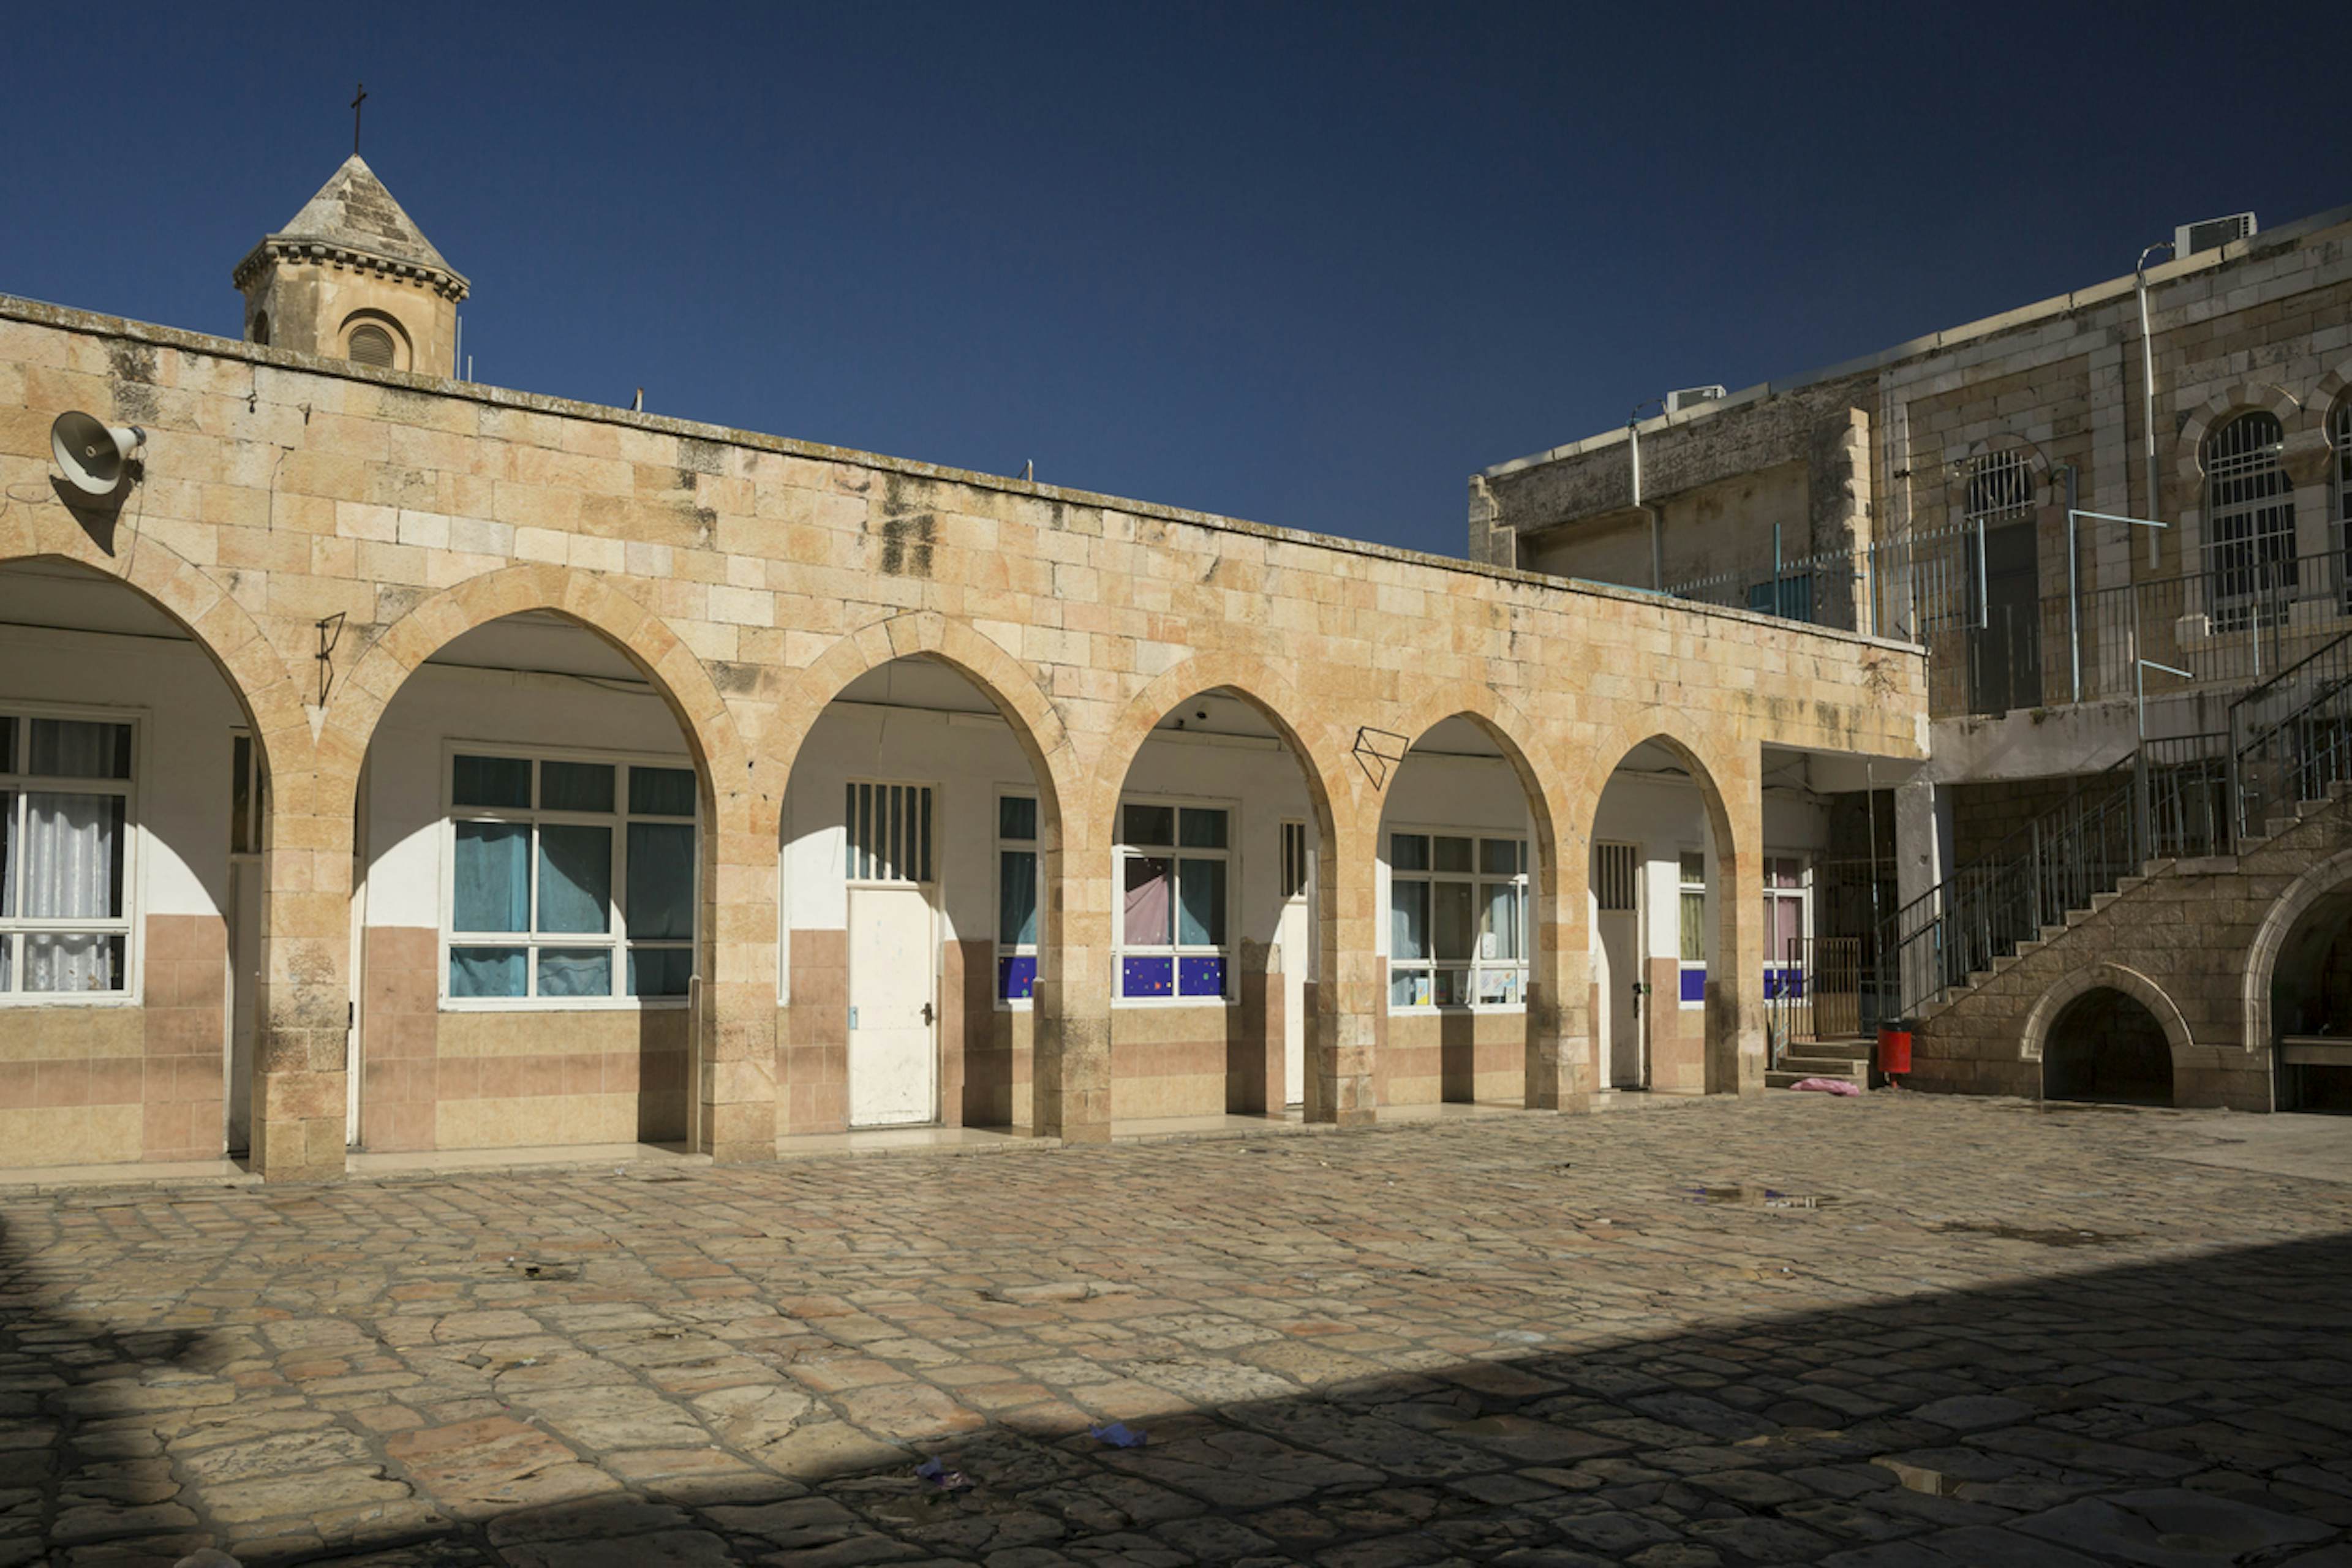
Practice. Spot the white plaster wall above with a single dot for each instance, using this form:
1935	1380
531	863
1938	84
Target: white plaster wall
407	756
181	760
1438	793
1666	817
971	759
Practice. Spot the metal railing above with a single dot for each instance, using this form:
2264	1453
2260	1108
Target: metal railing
2290	737
2240	619
2176	798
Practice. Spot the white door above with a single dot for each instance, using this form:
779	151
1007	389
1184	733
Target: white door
1297	940
893	1040
1616	884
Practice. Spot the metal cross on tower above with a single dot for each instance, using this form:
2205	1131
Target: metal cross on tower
355	119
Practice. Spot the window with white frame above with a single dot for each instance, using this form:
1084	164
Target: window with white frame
1457	920
2250	556
1016	897
66	815
1784	922
1175	885
572	879
1692	991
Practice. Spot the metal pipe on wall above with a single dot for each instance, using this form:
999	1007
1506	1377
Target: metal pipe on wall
2147	383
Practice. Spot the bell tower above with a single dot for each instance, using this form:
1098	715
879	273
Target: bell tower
352	277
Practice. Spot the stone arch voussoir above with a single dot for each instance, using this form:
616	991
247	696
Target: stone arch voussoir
2033	1042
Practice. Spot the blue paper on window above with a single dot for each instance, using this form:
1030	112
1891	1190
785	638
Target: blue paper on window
1016	977
1201	976
1147	976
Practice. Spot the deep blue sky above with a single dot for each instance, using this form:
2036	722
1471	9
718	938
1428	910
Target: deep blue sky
1307	266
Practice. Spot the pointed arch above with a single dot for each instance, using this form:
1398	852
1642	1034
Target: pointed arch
357	703
1317	743
1009	684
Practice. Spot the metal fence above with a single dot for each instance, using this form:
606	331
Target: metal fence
2238	621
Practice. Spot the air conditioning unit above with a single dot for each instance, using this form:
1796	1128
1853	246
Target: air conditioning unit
1683	397
2212	234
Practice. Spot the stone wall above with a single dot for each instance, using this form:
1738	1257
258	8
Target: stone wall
750	579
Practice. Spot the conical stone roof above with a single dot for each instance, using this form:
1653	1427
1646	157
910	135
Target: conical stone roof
354	220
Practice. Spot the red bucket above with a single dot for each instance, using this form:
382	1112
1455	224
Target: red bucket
1893	1051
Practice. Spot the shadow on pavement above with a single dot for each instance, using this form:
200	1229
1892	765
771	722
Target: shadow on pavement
2192	1412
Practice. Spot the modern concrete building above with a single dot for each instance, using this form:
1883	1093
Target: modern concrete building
2116	520
399	765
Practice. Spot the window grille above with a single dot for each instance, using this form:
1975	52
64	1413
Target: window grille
1016	897
2000	487
1175	899
889	833
65	845
2250	522
572	879
371	344
1294	861
1457	920
1616	871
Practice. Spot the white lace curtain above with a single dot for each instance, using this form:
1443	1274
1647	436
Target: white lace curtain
67	866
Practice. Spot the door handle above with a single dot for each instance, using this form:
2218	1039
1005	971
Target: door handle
927	1012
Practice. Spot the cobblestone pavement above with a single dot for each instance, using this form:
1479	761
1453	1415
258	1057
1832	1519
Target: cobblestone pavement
1890	1331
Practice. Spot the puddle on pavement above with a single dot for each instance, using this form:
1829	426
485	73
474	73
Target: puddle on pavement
1756	1197
2040	1238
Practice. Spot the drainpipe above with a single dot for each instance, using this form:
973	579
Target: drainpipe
1657	520
2148	380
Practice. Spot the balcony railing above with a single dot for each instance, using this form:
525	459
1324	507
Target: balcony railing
2231	626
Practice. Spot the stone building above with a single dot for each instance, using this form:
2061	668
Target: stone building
391	764
2116	521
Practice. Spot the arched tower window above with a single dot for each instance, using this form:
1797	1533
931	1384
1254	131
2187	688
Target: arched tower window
261	328
371	344
2250	561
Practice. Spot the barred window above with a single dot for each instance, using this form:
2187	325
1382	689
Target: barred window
2250	521
2000	487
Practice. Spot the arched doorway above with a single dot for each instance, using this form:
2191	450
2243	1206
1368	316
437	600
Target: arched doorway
1217	915
527	897
1466	852
2107	1046
915	830
2310	1007
132	773
1663	923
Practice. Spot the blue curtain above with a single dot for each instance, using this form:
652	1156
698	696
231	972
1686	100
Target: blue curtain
576	787
1016	897
575	972
1200	902
575	878
493	890
661	792
1408	920
661	880
486	971
660	971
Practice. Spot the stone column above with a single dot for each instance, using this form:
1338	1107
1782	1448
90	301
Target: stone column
1923	858
1736	1051
735	1013
302	1038
1561	1053
1343	1037
1069	1073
